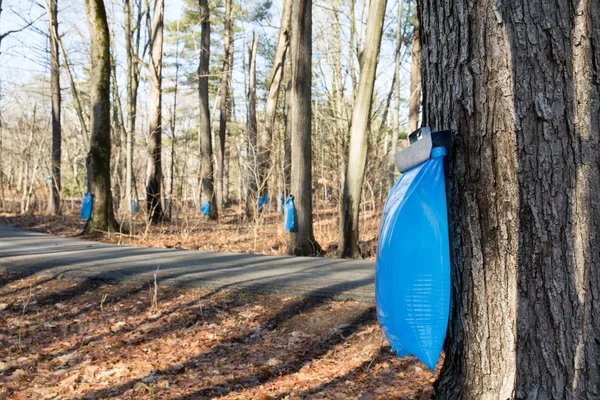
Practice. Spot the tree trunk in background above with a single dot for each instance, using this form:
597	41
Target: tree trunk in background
518	82
133	78
98	159
414	102
287	133
254	182
302	241
396	111
357	155
271	105
225	73
155	176
207	170
55	185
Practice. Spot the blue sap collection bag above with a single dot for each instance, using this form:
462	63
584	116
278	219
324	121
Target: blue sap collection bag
412	281
205	208
289	215
86	206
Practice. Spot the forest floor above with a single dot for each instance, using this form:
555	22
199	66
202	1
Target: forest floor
192	231
62	338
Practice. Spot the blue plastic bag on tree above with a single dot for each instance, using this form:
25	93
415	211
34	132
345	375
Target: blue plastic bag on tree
86	206
133	206
282	201
289	215
205	208
412	282
260	203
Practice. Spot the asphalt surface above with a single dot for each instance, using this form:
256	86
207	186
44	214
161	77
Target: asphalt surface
25	252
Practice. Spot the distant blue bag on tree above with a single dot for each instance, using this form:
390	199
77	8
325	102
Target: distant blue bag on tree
205	208
86	206
260	203
282	201
133	206
289	215
412	280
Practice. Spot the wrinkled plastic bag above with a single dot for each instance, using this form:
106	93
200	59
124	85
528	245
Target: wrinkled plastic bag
412	282
289	215
86	206
205	208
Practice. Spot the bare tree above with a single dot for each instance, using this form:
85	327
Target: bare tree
302	242
358	135
155	174
98	159
207	166
54	182
254	181
225	73
396	110
276	77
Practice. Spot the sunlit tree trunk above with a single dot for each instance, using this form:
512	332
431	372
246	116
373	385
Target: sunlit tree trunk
155	176
276	77
302	241
357	157
98	159
518	83
207	166
55	183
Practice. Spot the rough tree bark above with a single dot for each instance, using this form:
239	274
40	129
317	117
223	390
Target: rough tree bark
254	182
271	105
357	155
302	241
225	73
206	154
414	102
519	83
98	159
155	174
55	184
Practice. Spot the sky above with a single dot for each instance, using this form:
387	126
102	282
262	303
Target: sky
23	58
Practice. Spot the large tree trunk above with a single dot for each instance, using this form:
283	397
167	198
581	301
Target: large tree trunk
287	130
55	185
357	156
98	159
155	174
518	81
414	102
271	105
225	73
207	168
254	182
302	241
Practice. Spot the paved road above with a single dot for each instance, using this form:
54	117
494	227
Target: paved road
28	252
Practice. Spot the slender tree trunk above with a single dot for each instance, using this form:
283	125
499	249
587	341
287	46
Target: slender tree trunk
132	41
357	157
287	133
273	95
98	159
55	184
414	102
518	83
254	182
155	176
207	170
396	110
302	242
225	73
